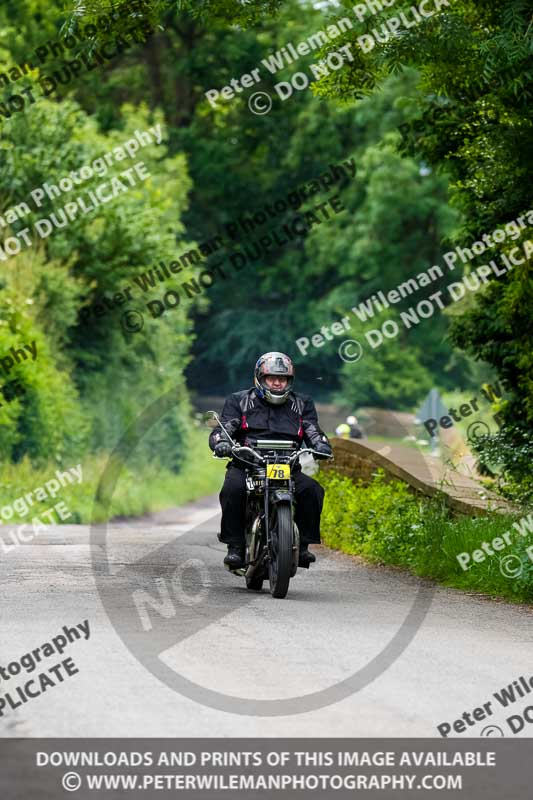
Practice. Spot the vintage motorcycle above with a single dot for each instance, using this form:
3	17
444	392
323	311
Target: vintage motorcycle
271	535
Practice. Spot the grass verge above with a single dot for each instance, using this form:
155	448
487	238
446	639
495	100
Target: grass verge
138	491
386	523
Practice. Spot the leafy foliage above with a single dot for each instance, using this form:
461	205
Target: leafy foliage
79	395
470	63
392	376
385	522
511	451
238	162
476	88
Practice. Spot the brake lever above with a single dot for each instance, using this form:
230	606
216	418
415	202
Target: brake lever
308	450
322	455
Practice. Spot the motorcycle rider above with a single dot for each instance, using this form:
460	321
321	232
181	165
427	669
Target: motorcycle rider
356	431
269	410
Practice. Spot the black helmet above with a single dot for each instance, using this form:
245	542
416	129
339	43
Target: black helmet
273	364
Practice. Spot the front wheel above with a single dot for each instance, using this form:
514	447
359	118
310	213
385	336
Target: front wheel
281	556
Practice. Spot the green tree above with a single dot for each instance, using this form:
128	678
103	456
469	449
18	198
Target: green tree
93	256
474	61
387	375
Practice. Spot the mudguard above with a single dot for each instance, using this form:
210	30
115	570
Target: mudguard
280	496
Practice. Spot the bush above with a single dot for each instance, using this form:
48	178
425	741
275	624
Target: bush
381	522
44	420
510	451
92	379
386	522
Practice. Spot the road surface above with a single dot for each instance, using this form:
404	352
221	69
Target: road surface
242	648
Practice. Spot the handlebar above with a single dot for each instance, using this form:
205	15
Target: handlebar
242	449
309	450
238	450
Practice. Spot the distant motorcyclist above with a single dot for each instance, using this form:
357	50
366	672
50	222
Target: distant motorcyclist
349	429
269	410
355	429
343	430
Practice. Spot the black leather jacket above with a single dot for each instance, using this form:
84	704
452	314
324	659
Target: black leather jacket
247	416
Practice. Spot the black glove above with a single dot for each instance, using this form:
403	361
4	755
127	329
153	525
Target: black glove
222	449
323	448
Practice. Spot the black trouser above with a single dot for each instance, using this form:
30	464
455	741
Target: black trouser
309	497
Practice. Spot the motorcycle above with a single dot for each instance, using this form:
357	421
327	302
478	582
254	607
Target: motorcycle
271	534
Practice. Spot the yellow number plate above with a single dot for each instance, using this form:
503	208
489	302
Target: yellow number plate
278	471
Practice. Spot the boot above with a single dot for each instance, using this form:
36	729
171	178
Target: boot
235	556
305	557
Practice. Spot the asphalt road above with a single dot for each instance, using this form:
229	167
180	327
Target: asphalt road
238	650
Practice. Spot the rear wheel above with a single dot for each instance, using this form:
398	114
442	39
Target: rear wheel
280	550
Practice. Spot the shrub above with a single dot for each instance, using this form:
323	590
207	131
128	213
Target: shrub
386	522
381	521
511	452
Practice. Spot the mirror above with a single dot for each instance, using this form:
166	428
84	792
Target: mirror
211	419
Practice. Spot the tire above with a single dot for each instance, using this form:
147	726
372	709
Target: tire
255	583
279	570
